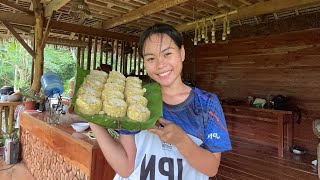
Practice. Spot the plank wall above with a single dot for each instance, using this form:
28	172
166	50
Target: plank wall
286	63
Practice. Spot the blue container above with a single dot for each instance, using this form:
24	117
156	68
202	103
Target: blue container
51	84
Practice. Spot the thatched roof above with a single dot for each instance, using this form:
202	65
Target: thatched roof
132	16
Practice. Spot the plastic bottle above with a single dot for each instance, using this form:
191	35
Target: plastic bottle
51	84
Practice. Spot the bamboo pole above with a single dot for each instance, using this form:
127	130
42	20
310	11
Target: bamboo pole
89	53
82	53
112	52
79	52
95	53
101	51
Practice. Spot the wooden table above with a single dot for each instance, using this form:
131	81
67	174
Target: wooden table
58	152
8	108
262	126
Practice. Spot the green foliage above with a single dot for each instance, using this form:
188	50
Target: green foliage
16	62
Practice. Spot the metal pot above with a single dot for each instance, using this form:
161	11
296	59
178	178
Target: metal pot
7	90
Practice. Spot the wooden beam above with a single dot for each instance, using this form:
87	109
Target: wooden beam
47	30
19	38
28	20
152	7
15	6
257	9
54	6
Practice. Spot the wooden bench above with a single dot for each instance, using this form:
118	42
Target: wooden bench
262	126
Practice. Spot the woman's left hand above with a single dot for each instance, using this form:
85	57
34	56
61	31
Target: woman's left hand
169	133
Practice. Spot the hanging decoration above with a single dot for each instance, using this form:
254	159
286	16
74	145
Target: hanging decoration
201	30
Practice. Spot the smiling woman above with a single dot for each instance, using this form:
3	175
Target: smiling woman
193	130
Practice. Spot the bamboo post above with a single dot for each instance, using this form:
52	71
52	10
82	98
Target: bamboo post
112	52
89	53
107	52
135	58
95	53
82	53
79	52
117	55
101	51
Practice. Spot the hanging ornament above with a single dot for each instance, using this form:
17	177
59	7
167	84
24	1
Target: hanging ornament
228	25
206	38
224	33
213	31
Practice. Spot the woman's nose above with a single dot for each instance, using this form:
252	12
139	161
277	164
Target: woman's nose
162	62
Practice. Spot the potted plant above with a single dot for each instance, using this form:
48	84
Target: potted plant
30	98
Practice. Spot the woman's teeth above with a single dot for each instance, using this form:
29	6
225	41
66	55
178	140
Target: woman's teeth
164	74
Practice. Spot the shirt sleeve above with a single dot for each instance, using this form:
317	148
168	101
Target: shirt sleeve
123	131
216	132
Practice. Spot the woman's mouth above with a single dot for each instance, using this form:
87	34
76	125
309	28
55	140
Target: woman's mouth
164	74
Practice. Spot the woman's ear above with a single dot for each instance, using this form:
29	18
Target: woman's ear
182	53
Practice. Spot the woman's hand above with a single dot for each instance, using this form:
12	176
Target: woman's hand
170	132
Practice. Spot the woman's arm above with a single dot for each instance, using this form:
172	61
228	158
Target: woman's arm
119	154
201	159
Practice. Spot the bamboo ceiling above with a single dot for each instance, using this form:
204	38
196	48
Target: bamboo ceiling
132	16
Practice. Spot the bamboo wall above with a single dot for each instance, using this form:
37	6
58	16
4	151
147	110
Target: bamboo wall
285	63
111	52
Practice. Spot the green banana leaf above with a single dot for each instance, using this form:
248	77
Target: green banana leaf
153	95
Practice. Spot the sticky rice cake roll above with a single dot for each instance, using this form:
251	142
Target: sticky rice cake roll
99	73
89	104
133	79
96	78
115	107
88	91
138	113
134	91
111	94
116	75
137	99
114	86
132	84
94	84
117	81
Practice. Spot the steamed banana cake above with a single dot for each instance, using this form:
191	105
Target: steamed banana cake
115	107
111	94
89	104
137	99
138	112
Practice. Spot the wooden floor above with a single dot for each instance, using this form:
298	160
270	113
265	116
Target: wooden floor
249	161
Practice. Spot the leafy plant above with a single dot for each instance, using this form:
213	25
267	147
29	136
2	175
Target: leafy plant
30	95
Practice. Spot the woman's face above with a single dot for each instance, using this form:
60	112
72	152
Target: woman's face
163	59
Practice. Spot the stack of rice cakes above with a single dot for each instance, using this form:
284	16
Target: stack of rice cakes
114	95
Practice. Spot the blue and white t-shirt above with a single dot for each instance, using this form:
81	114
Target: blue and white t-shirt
202	118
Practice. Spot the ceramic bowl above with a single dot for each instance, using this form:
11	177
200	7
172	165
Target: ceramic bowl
80	126
14	97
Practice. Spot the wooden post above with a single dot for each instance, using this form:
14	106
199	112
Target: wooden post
82	53
135	58
95	53
89	53
39	59
101	51
107	52
112	52
79	52
117	55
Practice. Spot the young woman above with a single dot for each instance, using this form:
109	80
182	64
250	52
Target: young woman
193	134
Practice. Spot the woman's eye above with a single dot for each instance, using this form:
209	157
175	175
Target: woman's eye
167	54
150	59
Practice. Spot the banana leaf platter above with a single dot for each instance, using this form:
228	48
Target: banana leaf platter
153	95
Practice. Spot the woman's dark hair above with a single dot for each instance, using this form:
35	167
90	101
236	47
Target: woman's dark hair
160	28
